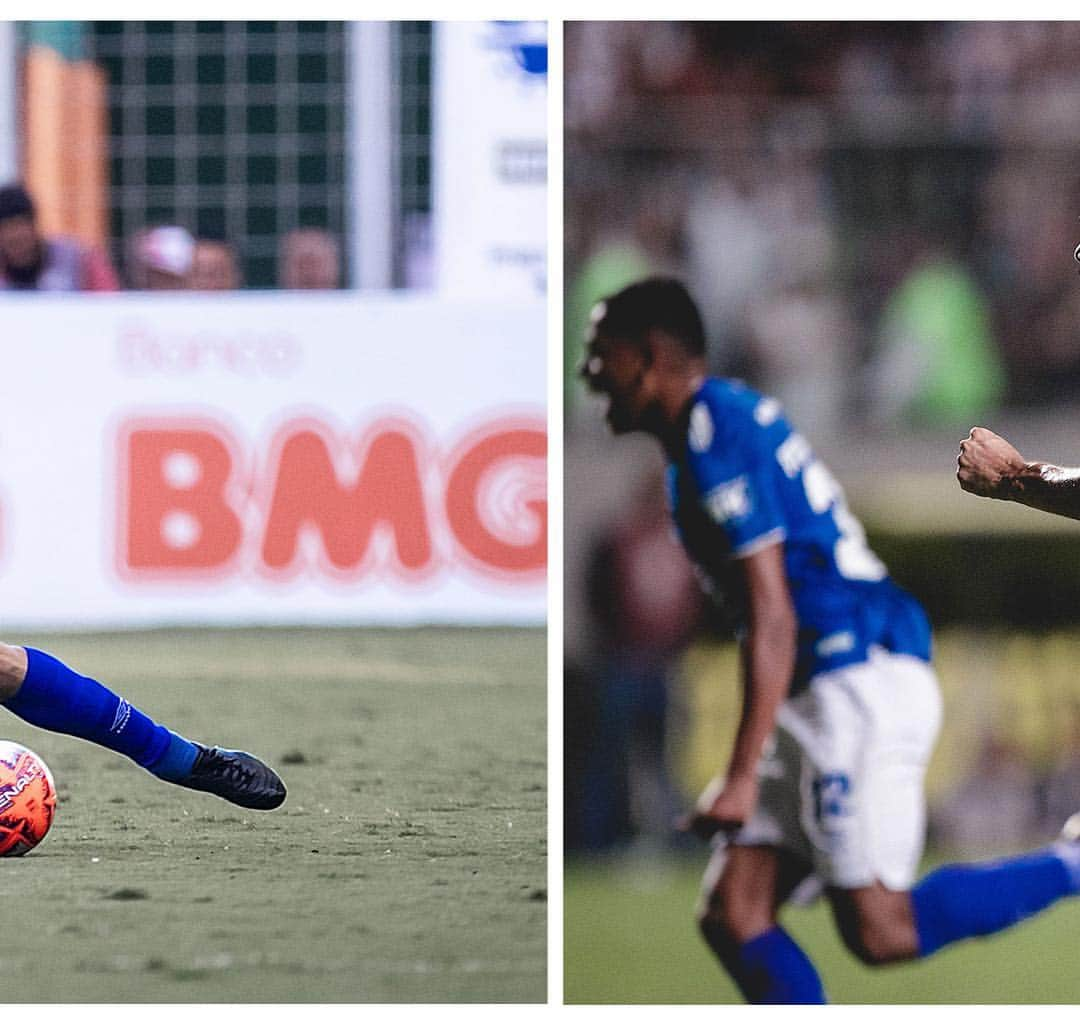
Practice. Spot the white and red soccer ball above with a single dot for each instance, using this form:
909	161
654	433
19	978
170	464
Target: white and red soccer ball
27	799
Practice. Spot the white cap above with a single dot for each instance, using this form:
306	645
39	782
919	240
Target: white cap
167	249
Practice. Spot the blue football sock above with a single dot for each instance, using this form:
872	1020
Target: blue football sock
978	899
772	969
54	697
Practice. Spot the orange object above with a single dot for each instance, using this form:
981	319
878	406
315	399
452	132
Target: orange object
27	799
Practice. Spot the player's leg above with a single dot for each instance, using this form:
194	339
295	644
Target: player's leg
954	903
45	692
738	920
877	824
869	730
977	899
12	670
876	924
747	882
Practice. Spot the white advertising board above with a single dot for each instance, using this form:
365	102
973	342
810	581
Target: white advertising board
489	168
271	459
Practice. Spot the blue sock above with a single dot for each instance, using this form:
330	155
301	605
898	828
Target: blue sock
974	900
772	969
54	697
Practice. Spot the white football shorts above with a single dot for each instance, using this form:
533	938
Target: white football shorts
842	778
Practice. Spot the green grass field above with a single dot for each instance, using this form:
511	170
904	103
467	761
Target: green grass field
630	938
408	863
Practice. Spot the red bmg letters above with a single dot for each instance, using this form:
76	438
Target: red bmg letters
192	501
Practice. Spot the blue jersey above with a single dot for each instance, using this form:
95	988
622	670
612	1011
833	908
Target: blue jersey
746	480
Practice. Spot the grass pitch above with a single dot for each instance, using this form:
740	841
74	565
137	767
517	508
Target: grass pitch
630	938
408	863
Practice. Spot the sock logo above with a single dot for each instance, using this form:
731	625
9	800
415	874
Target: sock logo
123	715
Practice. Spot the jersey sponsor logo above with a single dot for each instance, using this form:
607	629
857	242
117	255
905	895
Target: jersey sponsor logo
701	428
767	411
729	501
838	642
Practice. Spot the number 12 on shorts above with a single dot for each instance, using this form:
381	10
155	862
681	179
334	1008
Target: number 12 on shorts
832	795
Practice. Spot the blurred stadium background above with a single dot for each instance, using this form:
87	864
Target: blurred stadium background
878	220
218	478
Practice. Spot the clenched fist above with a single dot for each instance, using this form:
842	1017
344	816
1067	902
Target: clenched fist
988	464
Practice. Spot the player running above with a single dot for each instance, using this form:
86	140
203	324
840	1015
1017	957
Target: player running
45	692
840	704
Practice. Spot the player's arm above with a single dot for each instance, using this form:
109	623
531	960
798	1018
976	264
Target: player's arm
768	661
989	466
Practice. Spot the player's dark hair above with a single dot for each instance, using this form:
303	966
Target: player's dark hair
657	303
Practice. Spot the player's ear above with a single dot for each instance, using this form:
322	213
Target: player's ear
653	348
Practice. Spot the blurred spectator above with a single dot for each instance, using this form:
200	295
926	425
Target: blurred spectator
996	808
727	275
937	364
817	168
309	259
214	266
30	262
646	605
1029	211
779	139
800	339
1063	778
161	259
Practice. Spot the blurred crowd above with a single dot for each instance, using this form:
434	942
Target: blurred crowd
878	219
1007	798
165	257
644	604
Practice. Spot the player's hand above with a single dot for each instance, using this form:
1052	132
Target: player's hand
725	805
988	464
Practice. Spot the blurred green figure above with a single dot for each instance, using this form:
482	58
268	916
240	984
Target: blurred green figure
937	363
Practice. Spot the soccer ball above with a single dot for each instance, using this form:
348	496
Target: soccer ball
27	799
